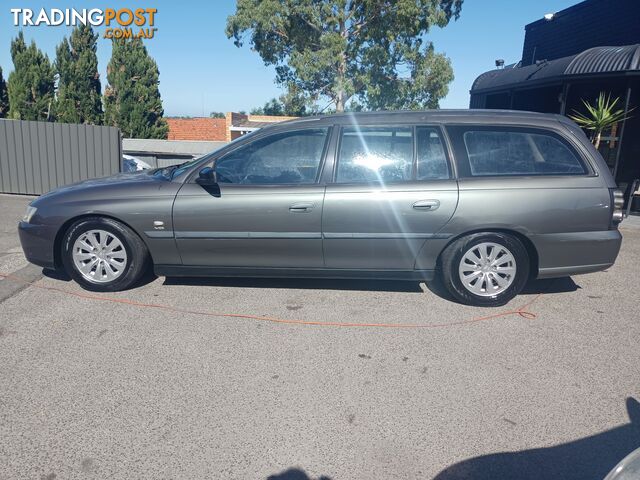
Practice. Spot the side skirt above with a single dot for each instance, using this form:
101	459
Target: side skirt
249	272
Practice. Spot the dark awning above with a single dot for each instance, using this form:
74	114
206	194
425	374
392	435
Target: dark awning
597	60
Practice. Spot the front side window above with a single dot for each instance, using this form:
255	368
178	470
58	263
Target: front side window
495	152
290	158
375	154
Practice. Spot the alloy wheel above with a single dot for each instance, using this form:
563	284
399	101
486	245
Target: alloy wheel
487	269
99	256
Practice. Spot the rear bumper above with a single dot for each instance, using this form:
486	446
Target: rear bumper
37	243
564	254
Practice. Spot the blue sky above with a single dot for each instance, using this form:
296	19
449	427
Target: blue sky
202	71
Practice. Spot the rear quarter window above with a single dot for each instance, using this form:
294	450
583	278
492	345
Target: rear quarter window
495	151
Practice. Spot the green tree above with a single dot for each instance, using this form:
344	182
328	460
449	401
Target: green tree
132	98
31	84
295	103
373	50
78	97
217	115
4	97
292	103
272	107
600	117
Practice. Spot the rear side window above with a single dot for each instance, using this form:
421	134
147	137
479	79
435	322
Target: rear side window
375	154
432	160
519	152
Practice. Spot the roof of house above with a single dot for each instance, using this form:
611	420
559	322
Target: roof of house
597	60
243	122
250	124
205	129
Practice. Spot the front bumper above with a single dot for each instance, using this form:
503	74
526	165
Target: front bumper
38	243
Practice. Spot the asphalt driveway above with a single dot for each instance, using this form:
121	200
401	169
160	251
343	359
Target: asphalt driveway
152	383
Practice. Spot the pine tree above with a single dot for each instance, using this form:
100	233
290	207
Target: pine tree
132	99
4	97
78	97
31	84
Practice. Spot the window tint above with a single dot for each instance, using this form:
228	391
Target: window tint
432	160
286	158
371	154
519	153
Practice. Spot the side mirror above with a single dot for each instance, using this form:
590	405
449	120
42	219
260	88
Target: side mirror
207	177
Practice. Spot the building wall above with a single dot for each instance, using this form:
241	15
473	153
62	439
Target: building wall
232	118
250	121
209	129
629	167
588	24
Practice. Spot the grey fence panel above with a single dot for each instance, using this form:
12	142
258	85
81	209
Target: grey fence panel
5	168
21	180
36	157
82	151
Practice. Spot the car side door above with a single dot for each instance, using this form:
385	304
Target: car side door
393	191
266	210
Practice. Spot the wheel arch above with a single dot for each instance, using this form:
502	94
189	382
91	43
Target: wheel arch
57	243
526	241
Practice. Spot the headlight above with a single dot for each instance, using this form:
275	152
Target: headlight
29	214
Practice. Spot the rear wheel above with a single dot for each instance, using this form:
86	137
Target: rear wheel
485	269
103	255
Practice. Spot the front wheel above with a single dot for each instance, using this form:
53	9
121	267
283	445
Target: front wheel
103	255
485	269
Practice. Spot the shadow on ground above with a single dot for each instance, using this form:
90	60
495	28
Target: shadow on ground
588	458
62	276
549	286
556	285
294	474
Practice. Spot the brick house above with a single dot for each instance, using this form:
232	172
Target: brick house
225	129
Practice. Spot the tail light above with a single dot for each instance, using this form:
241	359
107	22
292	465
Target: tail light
617	203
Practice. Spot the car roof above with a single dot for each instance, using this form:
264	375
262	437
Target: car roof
475	116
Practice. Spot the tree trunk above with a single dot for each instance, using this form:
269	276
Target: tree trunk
340	102
342	70
596	140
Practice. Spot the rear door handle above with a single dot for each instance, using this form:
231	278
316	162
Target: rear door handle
301	207
426	205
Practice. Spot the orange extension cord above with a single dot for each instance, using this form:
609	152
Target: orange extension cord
521	311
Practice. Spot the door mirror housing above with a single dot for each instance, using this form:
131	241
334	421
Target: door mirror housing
207	177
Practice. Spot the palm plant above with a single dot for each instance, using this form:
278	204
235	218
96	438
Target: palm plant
601	116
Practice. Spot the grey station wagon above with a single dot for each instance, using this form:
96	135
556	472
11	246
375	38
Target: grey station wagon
485	199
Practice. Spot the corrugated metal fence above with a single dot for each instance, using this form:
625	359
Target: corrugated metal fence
36	157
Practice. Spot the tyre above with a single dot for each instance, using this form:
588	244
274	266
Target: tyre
103	255
485	269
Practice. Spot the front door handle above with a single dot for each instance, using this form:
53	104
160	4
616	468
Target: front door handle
426	205
301	207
